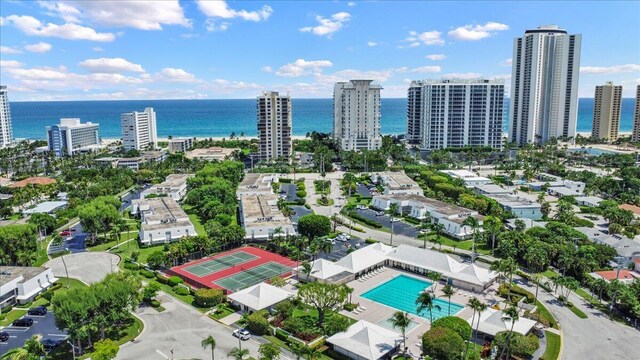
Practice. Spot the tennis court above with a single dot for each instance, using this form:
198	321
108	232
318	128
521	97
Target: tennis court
220	263
249	277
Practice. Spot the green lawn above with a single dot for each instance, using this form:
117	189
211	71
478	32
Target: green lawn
542	310
223	311
125	250
578	312
197	225
73	283
284	345
354	201
11	316
553	346
329	204
459	244
549	274
108	245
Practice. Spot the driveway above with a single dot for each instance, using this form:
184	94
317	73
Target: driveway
399	227
42	325
74	243
596	337
340	249
289	190
299	211
181	328
88	267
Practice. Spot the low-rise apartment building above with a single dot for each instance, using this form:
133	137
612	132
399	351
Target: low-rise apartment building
174	186
180	145
470	179
211	154
520	207
260	217
256	184
162	220
21	284
420	207
396	183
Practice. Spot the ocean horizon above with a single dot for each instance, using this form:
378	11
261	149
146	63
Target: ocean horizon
220	117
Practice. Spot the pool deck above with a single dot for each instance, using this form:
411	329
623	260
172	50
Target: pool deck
375	312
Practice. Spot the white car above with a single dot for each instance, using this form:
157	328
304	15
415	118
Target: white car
241	334
346	236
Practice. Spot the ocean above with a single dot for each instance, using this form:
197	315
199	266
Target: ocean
219	118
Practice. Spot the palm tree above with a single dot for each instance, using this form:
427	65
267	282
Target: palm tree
511	314
393	210
474	304
312	353
349	179
448	292
401	320
426	301
474	224
480	307
325	246
506	267
239	354
306	268
209	341
297	349
435	277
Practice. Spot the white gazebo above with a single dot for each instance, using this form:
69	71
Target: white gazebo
492	322
259	297
366	341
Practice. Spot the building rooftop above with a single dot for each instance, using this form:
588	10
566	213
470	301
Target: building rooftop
162	209
174	181
260	296
258	182
513	201
396	180
440	206
465	175
492	189
492	321
10	273
624	275
589	199
634	209
262	210
37	180
212	152
366	340
46	207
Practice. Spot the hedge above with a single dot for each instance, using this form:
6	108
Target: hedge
162	279
146	273
174	280
208	297
301	193
181	290
131	266
366	221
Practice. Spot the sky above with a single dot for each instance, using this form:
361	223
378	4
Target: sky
201	49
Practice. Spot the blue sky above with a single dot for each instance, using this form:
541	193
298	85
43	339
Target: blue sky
99	50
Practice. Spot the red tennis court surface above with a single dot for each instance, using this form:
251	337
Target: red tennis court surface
234	269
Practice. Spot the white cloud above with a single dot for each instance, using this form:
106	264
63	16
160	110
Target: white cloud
33	27
10	64
349	74
177	75
303	67
213	25
425	38
477	32
327	27
372	44
468	75
9	50
351	4
266	69
614	69
143	15
40	47
110	65
227	86
435	57
426	69
220	9
507	62
97	49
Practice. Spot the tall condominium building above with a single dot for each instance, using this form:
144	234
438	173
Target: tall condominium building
606	111
6	130
544	85
356	115
635	136
139	130
71	137
274	125
456	113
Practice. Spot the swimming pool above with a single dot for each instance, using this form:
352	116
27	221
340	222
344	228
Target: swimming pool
401	293
592	151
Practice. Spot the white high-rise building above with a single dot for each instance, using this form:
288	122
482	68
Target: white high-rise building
71	137
453	113
544	85
6	130
139	130
635	136
356	115
606	111
274	125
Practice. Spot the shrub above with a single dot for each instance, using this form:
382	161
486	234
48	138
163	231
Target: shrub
520	345
350	306
155	303
146	273
181	290
257	322
284	309
301	193
174	280
282	335
284	181
461	327
370	241
442	344
131	266
162	279
208	297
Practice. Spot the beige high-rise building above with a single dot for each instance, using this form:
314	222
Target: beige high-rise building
274	126
356	115
606	112
636	117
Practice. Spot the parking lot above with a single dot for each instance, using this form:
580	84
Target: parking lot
289	191
299	211
363	191
42	325
74	243
340	249
399	227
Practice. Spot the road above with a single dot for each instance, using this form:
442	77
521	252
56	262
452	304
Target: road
181	328
596	337
88	267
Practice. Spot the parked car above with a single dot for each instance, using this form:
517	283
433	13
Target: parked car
241	334
346	236
51	343
38	310
24	322
380	213
65	233
4	336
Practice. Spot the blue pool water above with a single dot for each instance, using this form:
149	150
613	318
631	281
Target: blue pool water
592	151
401	293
